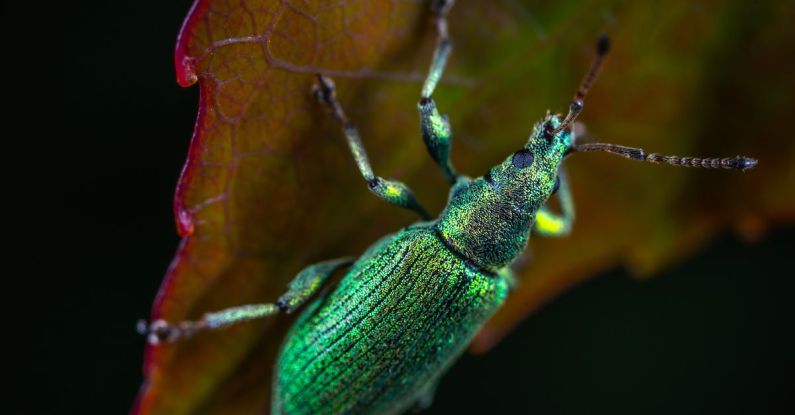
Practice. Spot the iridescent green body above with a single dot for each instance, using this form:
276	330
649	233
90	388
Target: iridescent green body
407	308
381	339
398	319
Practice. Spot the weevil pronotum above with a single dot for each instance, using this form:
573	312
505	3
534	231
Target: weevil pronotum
405	310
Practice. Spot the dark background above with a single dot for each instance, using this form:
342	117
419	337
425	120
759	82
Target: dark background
95	137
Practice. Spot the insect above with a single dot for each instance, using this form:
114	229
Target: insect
381	339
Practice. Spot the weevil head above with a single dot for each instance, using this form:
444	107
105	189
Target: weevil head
488	219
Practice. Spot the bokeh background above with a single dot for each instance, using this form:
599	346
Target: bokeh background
99	130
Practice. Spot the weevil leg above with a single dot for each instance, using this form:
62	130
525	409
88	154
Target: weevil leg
392	191
436	132
300	289
425	398
549	223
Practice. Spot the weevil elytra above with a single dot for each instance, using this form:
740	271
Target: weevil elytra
380	340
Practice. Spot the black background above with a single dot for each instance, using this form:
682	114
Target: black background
95	137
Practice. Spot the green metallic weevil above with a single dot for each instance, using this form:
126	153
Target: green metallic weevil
380	340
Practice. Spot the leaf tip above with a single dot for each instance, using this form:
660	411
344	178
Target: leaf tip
183	63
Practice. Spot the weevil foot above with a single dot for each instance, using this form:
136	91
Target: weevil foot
160	331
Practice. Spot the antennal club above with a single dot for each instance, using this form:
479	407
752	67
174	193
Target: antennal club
730	163
577	103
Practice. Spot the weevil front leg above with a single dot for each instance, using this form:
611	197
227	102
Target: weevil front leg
436	132
549	223
392	191
301	288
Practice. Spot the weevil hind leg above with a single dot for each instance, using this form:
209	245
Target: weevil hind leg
392	191
436	132
305	284
425	397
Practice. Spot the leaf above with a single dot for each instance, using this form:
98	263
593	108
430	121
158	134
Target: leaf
270	187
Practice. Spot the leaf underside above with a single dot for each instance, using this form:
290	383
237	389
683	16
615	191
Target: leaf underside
269	186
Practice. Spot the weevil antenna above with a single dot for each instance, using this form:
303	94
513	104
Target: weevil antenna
741	163
577	103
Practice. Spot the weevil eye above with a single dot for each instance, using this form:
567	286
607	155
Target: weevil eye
556	186
522	158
